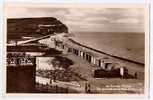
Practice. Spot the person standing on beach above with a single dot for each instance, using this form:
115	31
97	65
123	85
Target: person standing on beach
135	75
89	90
86	88
50	81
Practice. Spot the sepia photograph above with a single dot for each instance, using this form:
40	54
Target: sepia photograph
81	49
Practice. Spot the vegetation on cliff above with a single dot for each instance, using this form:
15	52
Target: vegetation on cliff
17	27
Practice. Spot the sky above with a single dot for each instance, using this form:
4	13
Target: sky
87	19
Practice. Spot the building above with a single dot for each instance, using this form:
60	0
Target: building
44	63
20	75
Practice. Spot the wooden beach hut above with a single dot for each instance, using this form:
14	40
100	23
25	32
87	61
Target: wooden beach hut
107	63
65	48
81	53
88	56
94	57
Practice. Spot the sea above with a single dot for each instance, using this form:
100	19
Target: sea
127	45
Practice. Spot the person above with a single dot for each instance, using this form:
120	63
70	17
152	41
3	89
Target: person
88	88
50	81
135	75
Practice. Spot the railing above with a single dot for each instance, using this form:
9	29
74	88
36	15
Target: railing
47	88
14	61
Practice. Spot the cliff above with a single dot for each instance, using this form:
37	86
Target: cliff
17	27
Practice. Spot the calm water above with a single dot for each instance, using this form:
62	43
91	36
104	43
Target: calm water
127	45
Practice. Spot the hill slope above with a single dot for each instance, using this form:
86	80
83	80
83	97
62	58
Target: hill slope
17	27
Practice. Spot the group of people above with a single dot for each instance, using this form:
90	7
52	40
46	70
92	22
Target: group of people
124	73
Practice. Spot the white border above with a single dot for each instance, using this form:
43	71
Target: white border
83	95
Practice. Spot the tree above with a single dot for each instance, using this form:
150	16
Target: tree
56	63
60	61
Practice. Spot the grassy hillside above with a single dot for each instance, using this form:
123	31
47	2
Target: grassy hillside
18	27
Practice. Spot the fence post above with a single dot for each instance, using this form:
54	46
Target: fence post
47	87
56	88
67	90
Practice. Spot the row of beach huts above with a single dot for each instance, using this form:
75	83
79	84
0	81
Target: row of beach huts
68	45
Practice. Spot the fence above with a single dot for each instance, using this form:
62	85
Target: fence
47	88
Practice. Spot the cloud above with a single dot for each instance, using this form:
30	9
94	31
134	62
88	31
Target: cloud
95	19
87	19
84	26
126	21
15	11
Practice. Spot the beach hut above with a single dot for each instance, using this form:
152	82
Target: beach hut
94	56
77	52
87	56
93	60
107	63
65	48
99	62
80	51
69	49
73	50
81	54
